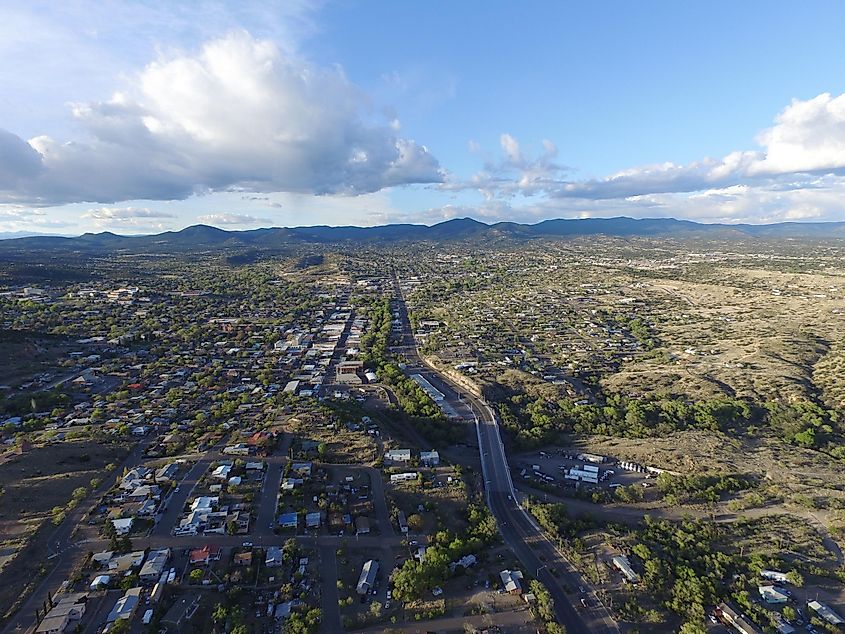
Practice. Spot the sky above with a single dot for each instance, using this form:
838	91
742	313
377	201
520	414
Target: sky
140	117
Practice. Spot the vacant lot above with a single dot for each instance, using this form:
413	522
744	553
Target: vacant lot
33	483
444	503
337	443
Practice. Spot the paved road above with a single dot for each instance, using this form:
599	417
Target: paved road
536	553
266	518
380	502
328	588
512	621
176	501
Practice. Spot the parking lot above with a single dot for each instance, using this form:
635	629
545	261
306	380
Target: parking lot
552	465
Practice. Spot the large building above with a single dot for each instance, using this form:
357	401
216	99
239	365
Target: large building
368	577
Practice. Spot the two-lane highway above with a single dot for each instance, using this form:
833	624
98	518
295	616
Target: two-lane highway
536	552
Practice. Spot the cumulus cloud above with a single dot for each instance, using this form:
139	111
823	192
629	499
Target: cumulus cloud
233	219
124	213
128	218
806	140
242	114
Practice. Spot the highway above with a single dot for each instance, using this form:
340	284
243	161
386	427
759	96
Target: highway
535	551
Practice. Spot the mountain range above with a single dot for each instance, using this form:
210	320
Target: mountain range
202	237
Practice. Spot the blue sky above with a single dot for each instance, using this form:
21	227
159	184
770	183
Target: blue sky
140	117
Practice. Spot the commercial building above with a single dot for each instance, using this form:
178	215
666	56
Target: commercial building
368	576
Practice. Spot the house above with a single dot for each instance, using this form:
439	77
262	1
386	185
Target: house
203	556
419	554
144	492
102	558
288	520
204	504
403	522
826	613
727	615
362	525
623	565
146	508
274	557
254	466
122	526
301	469
180	613
511	581
775	575
154	566
221	472
368	577
464	562
167	472
336	521
313	520
125	606
398	455
240	449
430	458
289	484
401	477
243	559
67	609
283	610
134	478
100	582
122	563
772	594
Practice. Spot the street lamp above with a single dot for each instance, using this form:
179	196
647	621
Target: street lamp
539	569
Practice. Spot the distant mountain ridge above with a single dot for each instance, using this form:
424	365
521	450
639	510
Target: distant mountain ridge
204	237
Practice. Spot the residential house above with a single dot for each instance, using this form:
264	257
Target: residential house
398	455
177	617
623	565
511	581
401	477
205	555
154	565
274	557
167	473
122	526
727	615
313	520
301	469
362	525
430	458
288	520
67	609
826	613
772	594
125	606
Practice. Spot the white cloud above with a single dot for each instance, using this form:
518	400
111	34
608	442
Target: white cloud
134	219
124	213
239	115
807	140
233	219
